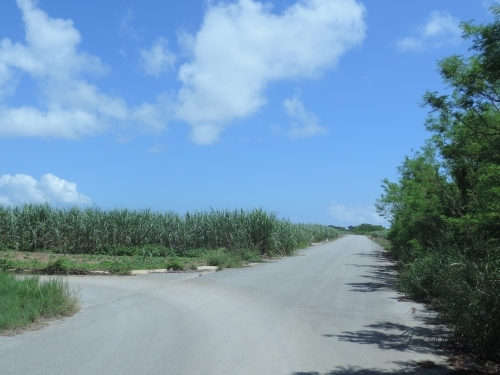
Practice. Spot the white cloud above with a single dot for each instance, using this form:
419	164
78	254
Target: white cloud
158	59
489	3
304	123
69	106
21	188
157	148
441	29
355	215
243	46
126	29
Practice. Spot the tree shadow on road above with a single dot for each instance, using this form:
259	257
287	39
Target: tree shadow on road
382	275
392	336
416	368
387	335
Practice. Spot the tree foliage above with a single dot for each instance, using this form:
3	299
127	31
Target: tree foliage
366	228
445	208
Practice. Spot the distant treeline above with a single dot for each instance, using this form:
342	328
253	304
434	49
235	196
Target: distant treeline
361	229
35	227
445	208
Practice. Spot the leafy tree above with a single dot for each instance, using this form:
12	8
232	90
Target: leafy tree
366	228
445	208
466	127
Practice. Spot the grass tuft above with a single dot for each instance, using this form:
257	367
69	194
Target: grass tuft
222	258
176	265
26	300
59	266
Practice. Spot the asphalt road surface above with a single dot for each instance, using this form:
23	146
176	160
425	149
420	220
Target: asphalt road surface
328	310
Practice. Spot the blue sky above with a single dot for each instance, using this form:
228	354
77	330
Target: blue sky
300	108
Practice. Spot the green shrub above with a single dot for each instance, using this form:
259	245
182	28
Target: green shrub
221	258
367	228
467	292
117	268
6	264
25	300
379	233
250	256
445	207
59	266
175	265
420	278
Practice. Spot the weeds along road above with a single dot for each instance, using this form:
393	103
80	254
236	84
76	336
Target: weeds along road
329	310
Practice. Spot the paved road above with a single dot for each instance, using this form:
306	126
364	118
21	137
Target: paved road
329	310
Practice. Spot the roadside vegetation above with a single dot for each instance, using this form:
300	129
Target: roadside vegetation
40	239
367	229
445	208
145	258
26	300
381	237
47	240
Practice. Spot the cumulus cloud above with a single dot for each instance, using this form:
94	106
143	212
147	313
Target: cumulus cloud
441	29
243	46
21	188
304	123
158	59
355	215
69	106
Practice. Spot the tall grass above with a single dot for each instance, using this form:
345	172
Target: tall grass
35	227
379	233
381	237
466	288
26	300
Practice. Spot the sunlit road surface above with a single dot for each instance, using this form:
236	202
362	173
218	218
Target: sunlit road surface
329	310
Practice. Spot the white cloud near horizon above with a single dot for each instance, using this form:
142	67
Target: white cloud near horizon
243	46
21	188
440	29
158	59
69	106
355	215
304	123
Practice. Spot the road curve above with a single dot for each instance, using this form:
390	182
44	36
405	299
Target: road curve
329	310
